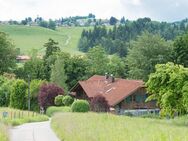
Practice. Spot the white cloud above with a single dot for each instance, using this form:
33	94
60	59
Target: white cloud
131	9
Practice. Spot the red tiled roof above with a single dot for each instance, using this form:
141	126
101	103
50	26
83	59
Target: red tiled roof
113	92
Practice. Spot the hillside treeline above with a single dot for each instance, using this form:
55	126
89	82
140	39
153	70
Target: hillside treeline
117	39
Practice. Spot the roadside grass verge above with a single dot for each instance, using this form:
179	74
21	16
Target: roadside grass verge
54	109
15	117
108	127
3	132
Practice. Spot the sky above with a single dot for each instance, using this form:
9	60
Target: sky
161	10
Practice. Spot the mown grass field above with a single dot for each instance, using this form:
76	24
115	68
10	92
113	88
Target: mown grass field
108	127
29	37
16	117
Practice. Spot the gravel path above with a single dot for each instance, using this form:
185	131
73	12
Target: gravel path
39	131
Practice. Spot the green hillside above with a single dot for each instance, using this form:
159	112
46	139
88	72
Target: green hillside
28	37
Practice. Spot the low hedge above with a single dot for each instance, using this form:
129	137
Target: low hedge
58	100
67	100
80	106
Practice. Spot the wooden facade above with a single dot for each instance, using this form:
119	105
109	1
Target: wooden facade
136	101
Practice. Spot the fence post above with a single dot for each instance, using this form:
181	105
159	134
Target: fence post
19	114
14	114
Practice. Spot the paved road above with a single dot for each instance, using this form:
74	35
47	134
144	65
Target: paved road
39	131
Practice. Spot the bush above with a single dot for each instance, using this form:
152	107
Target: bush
34	92
53	109
67	100
18	96
5	92
99	104
80	106
47	95
58	100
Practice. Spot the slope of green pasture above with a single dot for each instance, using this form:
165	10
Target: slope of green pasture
28	37
73	35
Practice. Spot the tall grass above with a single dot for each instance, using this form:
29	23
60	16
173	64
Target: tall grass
53	109
3	132
108	127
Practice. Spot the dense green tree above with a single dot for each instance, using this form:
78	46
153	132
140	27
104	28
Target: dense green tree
117	67
75	69
58	75
34	68
43	24
18	96
7	54
116	40
35	85
51	48
122	21
144	53
169	85
113	21
52	25
5	91
97	61
83	44
180	50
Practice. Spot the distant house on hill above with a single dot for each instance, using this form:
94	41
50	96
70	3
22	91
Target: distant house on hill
122	95
22	58
25	58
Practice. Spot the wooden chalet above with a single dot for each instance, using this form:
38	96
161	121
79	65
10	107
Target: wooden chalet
121	94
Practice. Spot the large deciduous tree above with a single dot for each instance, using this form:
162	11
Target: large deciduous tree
47	94
34	92
7	54
18	96
169	86
98	61
180	50
144	53
51	48
58	75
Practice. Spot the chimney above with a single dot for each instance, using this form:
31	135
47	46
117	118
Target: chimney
106	76
112	78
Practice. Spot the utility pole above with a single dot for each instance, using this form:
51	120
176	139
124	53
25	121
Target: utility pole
29	79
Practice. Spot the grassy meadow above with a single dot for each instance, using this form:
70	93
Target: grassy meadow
108	127
29	37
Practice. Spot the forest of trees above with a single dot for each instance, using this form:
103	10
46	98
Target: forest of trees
117	39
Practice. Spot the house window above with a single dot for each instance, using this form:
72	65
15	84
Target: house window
134	98
128	99
138	98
